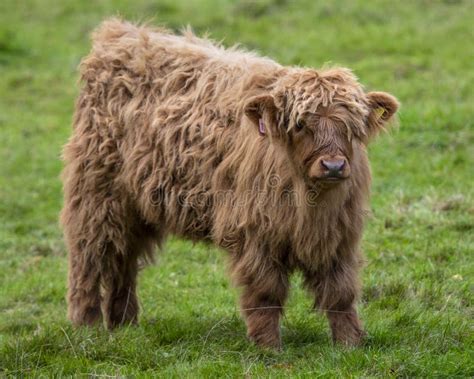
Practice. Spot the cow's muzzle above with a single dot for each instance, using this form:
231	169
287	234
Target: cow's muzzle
330	168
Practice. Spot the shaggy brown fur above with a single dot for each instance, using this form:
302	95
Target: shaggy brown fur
166	140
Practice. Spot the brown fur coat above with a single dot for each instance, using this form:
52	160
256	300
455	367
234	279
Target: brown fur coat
166	140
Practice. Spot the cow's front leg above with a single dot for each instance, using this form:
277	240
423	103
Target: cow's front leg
345	326
263	297
336	292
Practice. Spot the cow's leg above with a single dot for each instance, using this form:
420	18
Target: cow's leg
265	289
335	292
103	275
96	234
82	218
119	269
83	283
101	260
119	277
105	240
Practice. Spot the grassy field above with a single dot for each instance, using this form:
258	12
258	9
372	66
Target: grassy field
418	302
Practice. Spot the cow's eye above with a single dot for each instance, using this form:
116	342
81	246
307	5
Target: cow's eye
300	125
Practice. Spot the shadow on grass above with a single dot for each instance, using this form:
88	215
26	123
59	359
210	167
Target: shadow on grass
164	342
193	329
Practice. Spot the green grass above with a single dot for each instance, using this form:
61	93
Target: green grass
418	289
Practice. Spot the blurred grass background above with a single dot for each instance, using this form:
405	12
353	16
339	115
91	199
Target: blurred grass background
418	284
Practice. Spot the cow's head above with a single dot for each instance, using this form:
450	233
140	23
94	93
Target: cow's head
321	118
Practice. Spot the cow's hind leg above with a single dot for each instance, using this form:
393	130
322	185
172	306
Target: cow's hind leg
105	241
95	230
119	277
119	269
83	285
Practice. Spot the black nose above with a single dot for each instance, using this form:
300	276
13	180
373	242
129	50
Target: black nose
333	166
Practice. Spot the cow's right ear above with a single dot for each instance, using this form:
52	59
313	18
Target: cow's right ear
261	110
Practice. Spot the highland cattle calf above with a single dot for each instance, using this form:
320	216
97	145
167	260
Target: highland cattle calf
177	135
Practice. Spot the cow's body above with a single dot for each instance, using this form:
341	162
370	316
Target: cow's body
164	142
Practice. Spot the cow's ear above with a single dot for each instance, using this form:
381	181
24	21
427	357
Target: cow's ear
262	112
383	108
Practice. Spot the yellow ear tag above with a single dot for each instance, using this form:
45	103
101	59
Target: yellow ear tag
380	111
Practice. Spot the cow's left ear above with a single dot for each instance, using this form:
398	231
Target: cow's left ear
261	110
383	107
